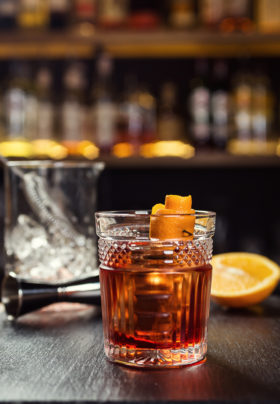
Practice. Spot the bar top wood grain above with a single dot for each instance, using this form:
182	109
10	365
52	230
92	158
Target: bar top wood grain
57	356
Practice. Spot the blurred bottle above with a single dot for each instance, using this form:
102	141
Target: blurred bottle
268	15
220	105
8	13
199	105
130	117
16	106
237	16
170	125
242	107
112	13
85	13
73	108
104	110
59	13
144	14
211	12
262	114
33	14
148	107
31	109
45	124
182	14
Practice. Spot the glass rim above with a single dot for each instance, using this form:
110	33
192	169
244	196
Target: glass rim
53	164
201	214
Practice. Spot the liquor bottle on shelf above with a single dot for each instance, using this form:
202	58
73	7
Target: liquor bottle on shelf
237	16
199	106
268	15
112	13
211	12
59	13
8	13
14	140
242	99
104	110
43	141
144	14
85	13
33	14
170	125
31	110
148	106
130	117
220	105
182	14
262	115
73	108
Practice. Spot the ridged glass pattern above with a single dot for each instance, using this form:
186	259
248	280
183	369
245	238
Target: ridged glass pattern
155	300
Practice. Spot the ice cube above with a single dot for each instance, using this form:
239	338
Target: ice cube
38	252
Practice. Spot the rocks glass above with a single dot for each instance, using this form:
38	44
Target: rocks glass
154	294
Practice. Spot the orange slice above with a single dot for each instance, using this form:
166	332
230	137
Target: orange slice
243	279
178	202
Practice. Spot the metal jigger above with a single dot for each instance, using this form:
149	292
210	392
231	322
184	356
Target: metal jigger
20	296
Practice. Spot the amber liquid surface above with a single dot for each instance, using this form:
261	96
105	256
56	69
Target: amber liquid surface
155	309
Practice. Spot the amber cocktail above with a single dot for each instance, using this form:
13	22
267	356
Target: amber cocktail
155	293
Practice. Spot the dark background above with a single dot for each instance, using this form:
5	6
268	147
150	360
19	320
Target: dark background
246	200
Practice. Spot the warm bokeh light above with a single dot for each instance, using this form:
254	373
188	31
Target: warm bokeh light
86	29
88	150
58	152
123	150
16	148
167	148
250	147
49	148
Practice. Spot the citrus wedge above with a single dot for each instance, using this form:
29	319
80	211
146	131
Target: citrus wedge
242	279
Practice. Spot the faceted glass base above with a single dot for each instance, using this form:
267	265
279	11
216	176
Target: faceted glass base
156	358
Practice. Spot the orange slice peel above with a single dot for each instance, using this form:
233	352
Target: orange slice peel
174	220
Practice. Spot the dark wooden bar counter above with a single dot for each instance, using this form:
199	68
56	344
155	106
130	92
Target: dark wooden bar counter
58	357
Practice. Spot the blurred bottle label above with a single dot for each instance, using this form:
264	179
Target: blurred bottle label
212	11
45	120
8	13
72	116
33	13
86	8
200	111
220	116
59	5
268	15
31	111
113	12
243	109
135	120
8	8
105	116
236	8
14	107
182	13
